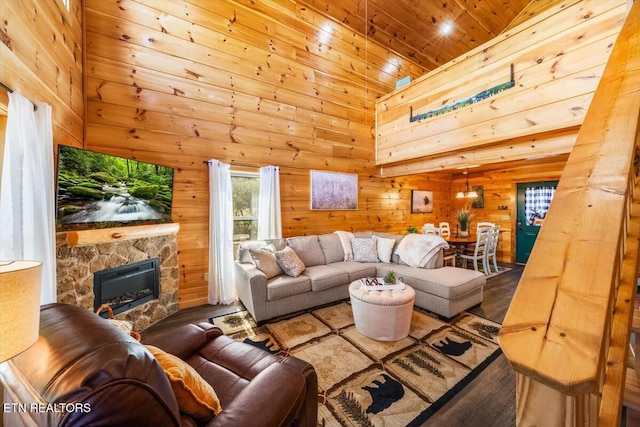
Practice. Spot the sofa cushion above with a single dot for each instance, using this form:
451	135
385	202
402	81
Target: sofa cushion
446	282
356	270
325	277
195	396
279	244
265	260
331	247
285	286
308	249
243	249
363	234
289	261
365	250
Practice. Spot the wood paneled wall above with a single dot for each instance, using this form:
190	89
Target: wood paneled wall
499	187
251	84
41	58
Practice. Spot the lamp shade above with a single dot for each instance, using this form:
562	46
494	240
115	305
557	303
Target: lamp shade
19	306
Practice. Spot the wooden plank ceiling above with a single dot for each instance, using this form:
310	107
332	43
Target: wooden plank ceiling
413	28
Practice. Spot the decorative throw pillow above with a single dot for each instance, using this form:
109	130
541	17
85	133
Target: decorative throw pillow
195	396
385	248
365	250
290	262
265	260
244	247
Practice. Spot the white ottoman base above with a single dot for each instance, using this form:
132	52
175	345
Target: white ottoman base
382	319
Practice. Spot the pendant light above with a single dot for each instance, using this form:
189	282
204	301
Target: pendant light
466	194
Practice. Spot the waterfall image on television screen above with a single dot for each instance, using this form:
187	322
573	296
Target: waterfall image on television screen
100	188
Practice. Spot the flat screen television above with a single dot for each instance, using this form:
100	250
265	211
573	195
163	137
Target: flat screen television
96	190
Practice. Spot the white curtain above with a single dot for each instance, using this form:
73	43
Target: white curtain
27	210
221	285
269	218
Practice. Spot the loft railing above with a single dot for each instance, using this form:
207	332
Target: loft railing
566	332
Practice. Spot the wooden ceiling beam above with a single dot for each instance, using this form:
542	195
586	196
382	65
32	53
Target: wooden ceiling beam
526	148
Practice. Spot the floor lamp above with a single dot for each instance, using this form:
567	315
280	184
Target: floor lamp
19	306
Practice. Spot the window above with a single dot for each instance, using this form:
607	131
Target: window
245	187
536	204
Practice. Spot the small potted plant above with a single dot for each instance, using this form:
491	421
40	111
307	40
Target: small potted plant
463	216
412	230
389	278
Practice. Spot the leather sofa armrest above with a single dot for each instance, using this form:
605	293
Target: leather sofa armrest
309	413
185	340
275	397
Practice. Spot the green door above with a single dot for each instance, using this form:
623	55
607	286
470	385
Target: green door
533	200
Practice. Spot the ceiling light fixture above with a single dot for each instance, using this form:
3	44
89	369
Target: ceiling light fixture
446	28
466	194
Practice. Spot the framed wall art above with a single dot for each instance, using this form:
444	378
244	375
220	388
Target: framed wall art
334	191
478	202
421	201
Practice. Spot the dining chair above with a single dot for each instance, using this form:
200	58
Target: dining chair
430	229
492	248
448	254
484	224
445	230
478	252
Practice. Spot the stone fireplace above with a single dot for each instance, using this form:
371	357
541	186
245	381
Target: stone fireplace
127	286
77	263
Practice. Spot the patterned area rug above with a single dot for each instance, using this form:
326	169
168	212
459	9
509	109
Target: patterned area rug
363	382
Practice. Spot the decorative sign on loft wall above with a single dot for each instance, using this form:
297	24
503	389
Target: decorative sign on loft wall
464	102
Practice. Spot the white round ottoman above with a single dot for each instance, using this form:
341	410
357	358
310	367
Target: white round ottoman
382	315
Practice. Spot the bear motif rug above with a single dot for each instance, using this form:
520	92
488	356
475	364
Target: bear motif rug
364	382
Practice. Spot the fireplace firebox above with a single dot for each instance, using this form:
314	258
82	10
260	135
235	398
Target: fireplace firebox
127	286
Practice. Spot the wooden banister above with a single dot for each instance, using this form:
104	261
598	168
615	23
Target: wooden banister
566	332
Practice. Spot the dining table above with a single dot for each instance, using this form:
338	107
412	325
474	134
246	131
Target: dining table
460	240
460	243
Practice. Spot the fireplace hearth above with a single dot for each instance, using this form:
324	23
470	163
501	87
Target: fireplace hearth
127	286
77	263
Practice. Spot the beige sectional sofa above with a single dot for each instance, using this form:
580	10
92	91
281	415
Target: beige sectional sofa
266	292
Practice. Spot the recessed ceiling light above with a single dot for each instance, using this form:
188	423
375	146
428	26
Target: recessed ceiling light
446	28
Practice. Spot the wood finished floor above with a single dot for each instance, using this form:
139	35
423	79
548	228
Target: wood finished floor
488	401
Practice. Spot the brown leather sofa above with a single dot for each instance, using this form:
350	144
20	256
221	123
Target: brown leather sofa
83	371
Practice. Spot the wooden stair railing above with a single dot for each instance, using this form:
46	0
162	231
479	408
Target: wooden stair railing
631	397
566	333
